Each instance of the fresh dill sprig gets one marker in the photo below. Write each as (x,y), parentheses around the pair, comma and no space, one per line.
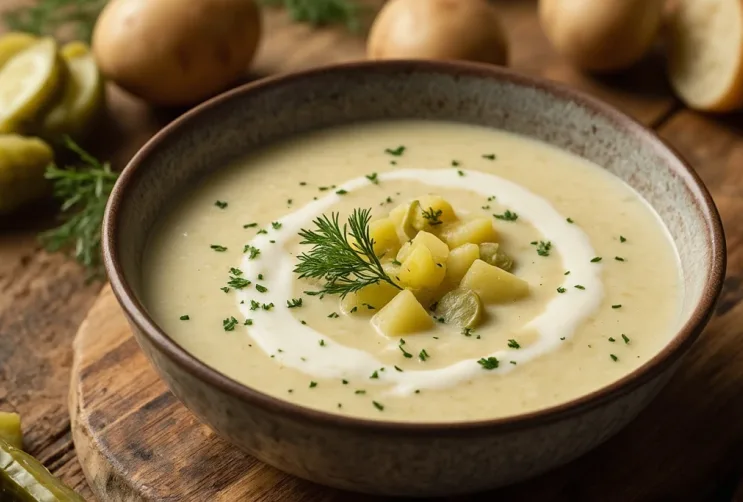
(344,267)
(83,191)
(321,12)
(49,17)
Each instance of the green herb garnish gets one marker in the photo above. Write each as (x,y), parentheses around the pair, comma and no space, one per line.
(250,225)
(220,204)
(619,258)
(373,177)
(625,338)
(313,384)
(489,363)
(489,156)
(341,192)
(375,374)
(569,220)
(596,259)
(543,248)
(251,251)
(423,355)
(507,216)
(229,323)
(260,288)
(184,318)
(276,225)
(238,282)
(378,406)
(561,290)
(613,357)
(294,303)
(397,152)
(513,344)
(579,286)
(344,267)
(433,216)
(218,248)
(618,306)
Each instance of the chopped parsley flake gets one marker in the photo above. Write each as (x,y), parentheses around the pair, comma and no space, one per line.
(333,315)
(354,309)
(225,289)
(596,259)
(433,216)
(455,163)
(567,272)
(460,172)
(467,331)
(489,364)
(485,207)
(294,303)
(619,258)
(423,355)
(513,344)
(322,343)
(513,362)
(302,183)
(569,220)
(405,353)
(378,406)
(613,357)
(184,318)
(396,152)
(235,271)
(368,306)
(395,262)
(489,156)
(250,225)
(617,306)
(266,306)
(248,322)
(344,381)
(622,239)
(373,177)
(260,288)
(543,248)
(229,323)
(260,277)
(625,338)
(251,251)
(262,231)
(374,375)
(341,192)
(238,282)
(561,290)
(313,384)
(254,305)
(491,198)
(578,286)
(276,225)
(360,392)
(323,189)
(611,339)
(220,204)
(218,248)
(398,369)
(507,216)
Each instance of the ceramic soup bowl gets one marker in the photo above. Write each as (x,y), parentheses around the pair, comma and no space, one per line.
(407,458)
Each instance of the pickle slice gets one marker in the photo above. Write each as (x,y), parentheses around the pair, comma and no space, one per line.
(25,479)
(461,307)
(490,252)
(13,43)
(28,82)
(82,99)
(23,162)
(10,429)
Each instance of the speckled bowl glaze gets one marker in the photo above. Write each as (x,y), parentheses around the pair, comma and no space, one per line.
(408,458)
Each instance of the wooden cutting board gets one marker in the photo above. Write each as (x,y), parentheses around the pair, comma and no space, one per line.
(136,442)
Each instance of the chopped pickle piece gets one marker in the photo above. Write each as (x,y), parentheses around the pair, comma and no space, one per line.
(402,316)
(13,43)
(490,252)
(405,249)
(28,82)
(10,429)
(25,479)
(474,231)
(459,262)
(408,222)
(461,307)
(83,96)
(494,285)
(384,234)
(369,299)
(421,270)
(22,165)
(428,213)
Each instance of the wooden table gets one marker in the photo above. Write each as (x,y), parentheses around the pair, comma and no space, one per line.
(697,456)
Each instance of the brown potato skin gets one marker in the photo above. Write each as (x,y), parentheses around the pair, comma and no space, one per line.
(439,29)
(601,35)
(173,52)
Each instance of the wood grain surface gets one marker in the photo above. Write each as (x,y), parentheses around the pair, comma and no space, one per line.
(687,446)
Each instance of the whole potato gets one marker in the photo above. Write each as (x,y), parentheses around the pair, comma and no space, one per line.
(176,52)
(601,35)
(438,29)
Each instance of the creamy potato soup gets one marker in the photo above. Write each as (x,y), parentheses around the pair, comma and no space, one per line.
(415,271)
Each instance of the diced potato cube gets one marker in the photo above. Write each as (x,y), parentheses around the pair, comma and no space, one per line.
(493,284)
(405,249)
(398,214)
(437,209)
(436,246)
(474,231)
(369,299)
(421,270)
(459,262)
(402,316)
(384,234)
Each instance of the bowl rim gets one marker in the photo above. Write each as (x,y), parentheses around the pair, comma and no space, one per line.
(665,358)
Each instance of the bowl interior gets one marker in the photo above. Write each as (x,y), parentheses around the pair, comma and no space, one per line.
(234,124)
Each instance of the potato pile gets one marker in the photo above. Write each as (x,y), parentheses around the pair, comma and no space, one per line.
(45,92)
(442,263)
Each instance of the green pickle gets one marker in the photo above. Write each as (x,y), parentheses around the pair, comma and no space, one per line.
(24,479)
(10,429)
(490,252)
(13,43)
(23,162)
(409,227)
(461,307)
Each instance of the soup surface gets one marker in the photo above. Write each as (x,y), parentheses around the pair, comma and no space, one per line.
(604,286)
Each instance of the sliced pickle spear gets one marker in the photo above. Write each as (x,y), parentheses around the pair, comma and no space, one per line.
(25,479)
(23,162)
(28,82)
(10,429)
(13,43)
(461,307)
(409,221)
(82,98)
(490,252)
